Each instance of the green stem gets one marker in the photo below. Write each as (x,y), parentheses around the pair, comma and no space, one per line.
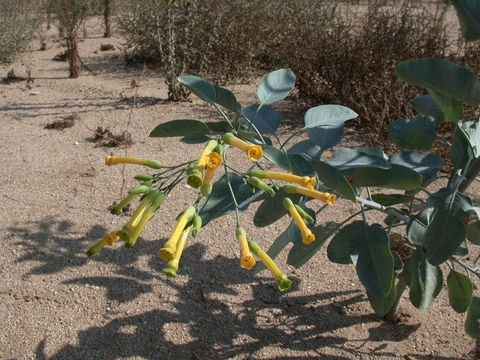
(282,146)
(234,199)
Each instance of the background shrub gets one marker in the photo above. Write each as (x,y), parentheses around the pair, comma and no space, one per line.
(19,21)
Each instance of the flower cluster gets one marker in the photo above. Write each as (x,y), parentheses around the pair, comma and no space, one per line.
(200,174)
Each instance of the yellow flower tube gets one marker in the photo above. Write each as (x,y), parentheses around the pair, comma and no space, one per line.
(127,200)
(166,253)
(327,198)
(172,265)
(247,261)
(283,282)
(213,161)
(211,145)
(306,181)
(114,160)
(254,152)
(307,236)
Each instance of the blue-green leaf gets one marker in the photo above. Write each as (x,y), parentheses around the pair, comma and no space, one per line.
(414,134)
(328,115)
(333,178)
(452,109)
(425,164)
(424,104)
(301,165)
(180,128)
(338,250)
(472,323)
(425,280)
(391,199)
(460,291)
(381,303)
(347,159)
(195,138)
(397,177)
(371,254)
(468,12)
(308,148)
(301,253)
(442,76)
(276,86)
(277,157)
(203,89)
(265,119)
(271,209)
(226,99)
(325,136)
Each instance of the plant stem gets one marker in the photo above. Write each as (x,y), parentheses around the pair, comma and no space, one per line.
(392,314)
(234,199)
(470,175)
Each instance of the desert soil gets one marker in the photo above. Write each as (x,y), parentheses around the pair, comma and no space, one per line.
(58,304)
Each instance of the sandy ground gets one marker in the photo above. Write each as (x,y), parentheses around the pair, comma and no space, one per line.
(58,304)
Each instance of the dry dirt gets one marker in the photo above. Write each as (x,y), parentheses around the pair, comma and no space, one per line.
(58,304)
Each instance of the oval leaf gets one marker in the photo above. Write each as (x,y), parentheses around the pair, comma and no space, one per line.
(265,119)
(180,128)
(397,177)
(271,209)
(227,99)
(306,147)
(277,157)
(203,89)
(276,86)
(460,291)
(333,178)
(414,134)
(424,104)
(468,12)
(325,136)
(442,76)
(338,250)
(425,280)
(351,158)
(328,115)
(472,323)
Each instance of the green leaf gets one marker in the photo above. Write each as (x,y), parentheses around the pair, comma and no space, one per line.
(452,108)
(265,119)
(417,227)
(466,143)
(414,134)
(397,177)
(424,104)
(187,127)
(473,229)
(373,259)
(472,323)
(276,86)
(333,178)
(397,262)
(391,199)
(328,115)
(381,304)
(468,12)
(220,200)
(442,76)
(355,157)
(203,89)
(290,235)
(425,280)
(425,164)
(308,148)
(338,250)
(180,128)
(195,138)
(300,253)
(271,209)
(277,157)
(447,228)
(226,99)
(301,165)
(460,291)
(325,136)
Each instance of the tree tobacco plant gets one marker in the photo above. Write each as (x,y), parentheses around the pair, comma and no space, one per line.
(424,234)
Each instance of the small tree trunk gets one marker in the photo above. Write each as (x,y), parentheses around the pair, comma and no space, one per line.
(49,18)
(61,31)
(73,57)
(107,11)
(84,27)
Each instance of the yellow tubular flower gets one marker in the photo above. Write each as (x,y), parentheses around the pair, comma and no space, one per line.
(283,282)
(114,160)
(247,261)
(254,152)
(111,238)
(127,200)
(166,253)
(211,145)
(172,265)
(307,236)
(96,247)
(147,215)
(213,162)
(306,181)
(327,198)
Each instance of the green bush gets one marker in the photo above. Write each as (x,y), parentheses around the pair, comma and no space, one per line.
(19,20)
